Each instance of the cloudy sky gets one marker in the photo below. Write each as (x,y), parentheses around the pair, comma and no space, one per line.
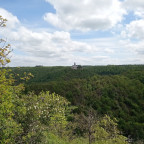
(60,32)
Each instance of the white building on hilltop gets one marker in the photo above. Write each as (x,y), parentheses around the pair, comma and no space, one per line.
(74,66)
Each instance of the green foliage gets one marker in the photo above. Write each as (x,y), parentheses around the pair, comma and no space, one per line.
(106,130)
(53,139)
(103,134)
(2,21)
(120,96)
(58,73)
(97,129)
(9,129)
(4,48)
(40,113)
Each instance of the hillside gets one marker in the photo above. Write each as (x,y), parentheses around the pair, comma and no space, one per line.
(114,90)
(47,74)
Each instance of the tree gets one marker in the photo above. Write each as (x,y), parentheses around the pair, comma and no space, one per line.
(106,131)
(43,113)
(85,124)
(4,49)
(99,130)
(9,129)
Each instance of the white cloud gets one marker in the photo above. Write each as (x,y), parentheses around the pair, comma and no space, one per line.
(134,30)
(139,14)
(85,15)
(137,47)
(44,44)
(137,6)
(134,4)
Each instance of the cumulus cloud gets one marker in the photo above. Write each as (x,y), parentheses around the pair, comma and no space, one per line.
(137,6)
(44,44)
(134,30)
(85,15)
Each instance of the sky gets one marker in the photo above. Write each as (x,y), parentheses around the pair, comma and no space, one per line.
(61,32)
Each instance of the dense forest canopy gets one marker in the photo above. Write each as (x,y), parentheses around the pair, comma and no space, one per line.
(116,90)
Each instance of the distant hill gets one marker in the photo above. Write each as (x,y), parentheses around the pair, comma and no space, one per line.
(47,74)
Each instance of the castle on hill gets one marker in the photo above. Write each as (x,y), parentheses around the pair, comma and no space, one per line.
(75,67)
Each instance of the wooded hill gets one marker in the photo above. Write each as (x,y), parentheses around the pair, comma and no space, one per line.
(117,91)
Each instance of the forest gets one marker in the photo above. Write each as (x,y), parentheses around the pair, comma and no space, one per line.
(59,105)
(114,90)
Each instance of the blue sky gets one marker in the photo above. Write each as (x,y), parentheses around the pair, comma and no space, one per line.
(88,32)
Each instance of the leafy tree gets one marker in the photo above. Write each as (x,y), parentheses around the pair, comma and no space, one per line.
(9,129)
(99,130)
(44,112)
